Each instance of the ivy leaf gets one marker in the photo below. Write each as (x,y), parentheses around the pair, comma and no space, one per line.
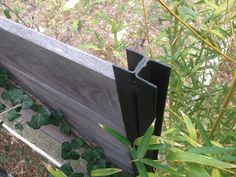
(34,107)
(6,12)
(5,95)
(68,170)
(2,107)
(77,143)
(12,115)
(27,101)
(19,126)
(3,77)
(56,117)
(41,118)
(14,95)
(1,123)
(65,129)
(67,152)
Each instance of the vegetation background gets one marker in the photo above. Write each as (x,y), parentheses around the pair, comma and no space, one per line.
(200,46)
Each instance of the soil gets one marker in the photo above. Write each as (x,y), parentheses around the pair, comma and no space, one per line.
(18,159)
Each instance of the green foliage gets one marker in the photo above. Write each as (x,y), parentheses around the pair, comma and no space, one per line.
(65,128)
(41,118)
(1,123)
(68,170)
(196,158)
(6,12)
(56,172)
(105,172)
(14,95)
(2,107)
(201,159)
(3,77)
(67,152)
(77,143)
(27,102)
(12,115)
(19,126)
(56,117)
(95,159)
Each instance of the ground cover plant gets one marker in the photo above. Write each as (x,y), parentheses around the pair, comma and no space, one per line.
(196,37)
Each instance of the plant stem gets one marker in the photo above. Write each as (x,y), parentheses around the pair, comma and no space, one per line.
(8,110)
(226,103)
(146,27)
(195,33)
(10,9)
(231,23)
(176,32)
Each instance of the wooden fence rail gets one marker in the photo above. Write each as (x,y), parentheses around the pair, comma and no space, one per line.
(79,84)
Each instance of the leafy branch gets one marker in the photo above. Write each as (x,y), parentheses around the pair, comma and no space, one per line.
(226,103)
(190,28)
(11,10)
(147,36)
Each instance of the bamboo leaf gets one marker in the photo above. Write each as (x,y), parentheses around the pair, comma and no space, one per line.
(215,173)
(190,127)
(203,133)
(190,140)
(143,146)
(200,159)
(197,171)
(54,172)
(159,166)
(105,172)
(116,135)
(211,150)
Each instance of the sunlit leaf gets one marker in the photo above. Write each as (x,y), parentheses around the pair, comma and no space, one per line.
(190,127)
(197,171)
(144,144)
(200,159)
(105,172)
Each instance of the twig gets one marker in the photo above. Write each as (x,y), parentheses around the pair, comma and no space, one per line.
(10,9)
(195,33)
(8,110)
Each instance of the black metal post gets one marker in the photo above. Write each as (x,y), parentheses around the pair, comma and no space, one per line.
(142,91)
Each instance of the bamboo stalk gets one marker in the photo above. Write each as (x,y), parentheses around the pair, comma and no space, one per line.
(147,36)
(226,103)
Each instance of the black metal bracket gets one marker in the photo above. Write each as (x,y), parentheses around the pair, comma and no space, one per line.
(142,91)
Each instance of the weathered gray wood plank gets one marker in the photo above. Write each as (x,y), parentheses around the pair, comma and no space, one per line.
(80,85)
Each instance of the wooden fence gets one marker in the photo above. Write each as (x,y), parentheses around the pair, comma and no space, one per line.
(65,78)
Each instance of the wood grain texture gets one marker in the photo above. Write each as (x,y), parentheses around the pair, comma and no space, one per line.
(80,85)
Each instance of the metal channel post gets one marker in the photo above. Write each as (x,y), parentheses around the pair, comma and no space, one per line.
(142,90)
